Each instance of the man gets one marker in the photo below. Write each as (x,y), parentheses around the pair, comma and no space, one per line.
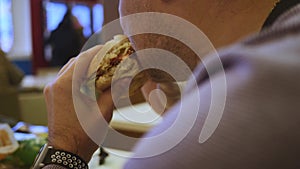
(258,128)
(66,40)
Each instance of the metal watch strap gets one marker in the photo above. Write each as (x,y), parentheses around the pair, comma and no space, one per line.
(64,159)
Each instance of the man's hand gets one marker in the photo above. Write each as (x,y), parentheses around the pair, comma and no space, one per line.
(65,131)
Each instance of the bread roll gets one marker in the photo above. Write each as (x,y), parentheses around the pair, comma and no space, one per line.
(116,55)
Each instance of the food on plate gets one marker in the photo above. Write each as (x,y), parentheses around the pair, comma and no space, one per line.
(8,143)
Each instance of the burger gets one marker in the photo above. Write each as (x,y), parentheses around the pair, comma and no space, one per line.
(115,60)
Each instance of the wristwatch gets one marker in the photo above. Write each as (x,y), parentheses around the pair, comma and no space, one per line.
(49,155)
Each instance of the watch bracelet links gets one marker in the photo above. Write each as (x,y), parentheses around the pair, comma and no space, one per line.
(65,159)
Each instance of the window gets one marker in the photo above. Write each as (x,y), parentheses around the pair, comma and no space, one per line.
(55,13)
(6,26)
(82,13)
(98,17)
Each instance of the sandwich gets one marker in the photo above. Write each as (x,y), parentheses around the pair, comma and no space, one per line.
(112,63)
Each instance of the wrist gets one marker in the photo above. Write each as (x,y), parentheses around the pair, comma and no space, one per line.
(49,155)
(71,145)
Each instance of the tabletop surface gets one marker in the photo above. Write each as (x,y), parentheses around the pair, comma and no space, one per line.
(139,118)
(115,160)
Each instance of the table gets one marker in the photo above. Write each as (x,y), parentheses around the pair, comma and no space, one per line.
(115,160)
(138,118)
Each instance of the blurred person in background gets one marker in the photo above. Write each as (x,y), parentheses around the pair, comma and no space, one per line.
(10,79)
(66,40)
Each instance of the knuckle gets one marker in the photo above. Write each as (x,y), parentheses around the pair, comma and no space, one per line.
(57,85)
(54,87)
(47,90)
